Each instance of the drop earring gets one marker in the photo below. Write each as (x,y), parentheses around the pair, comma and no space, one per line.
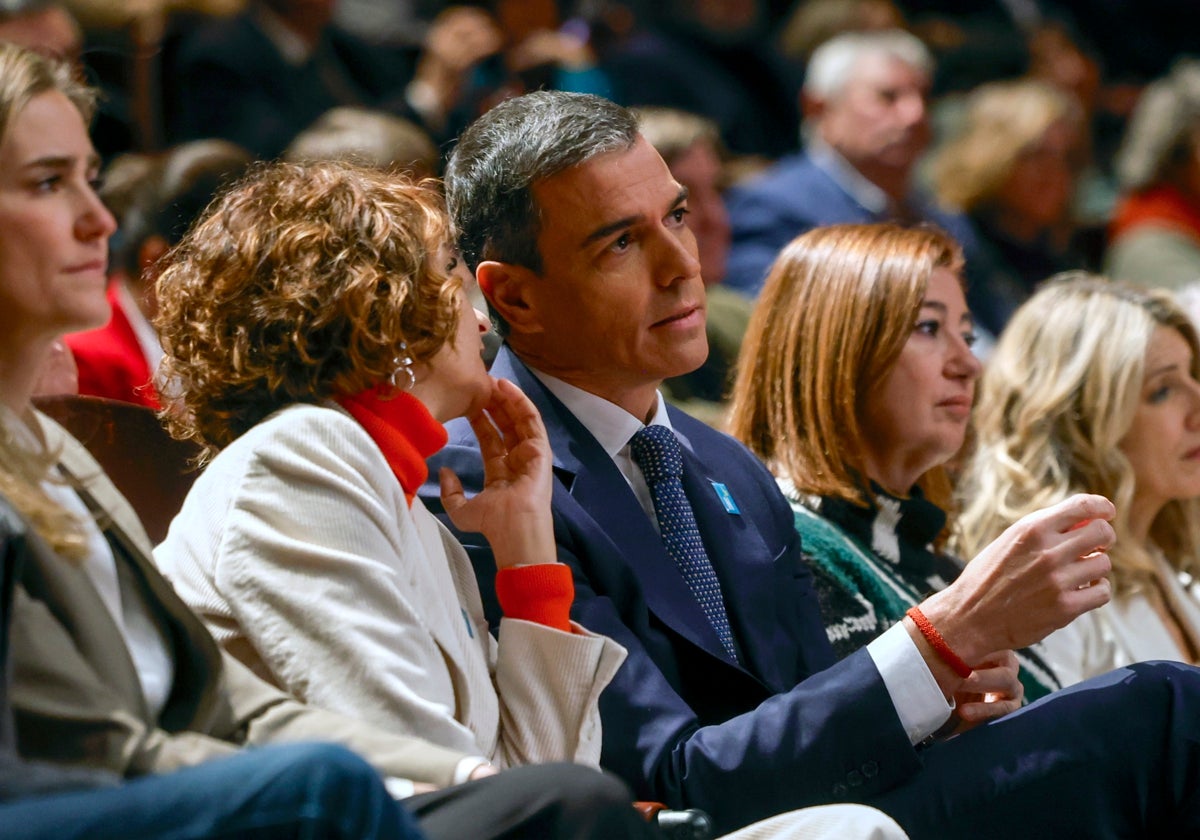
(403,370)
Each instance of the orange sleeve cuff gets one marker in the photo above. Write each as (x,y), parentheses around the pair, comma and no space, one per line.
(541,593)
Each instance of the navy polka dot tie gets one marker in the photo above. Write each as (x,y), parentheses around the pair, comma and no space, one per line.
(656,451)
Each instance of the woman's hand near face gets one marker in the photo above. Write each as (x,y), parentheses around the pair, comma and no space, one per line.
(513,509)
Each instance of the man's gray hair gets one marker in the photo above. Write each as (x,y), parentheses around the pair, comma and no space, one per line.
(834,62)
(490,176)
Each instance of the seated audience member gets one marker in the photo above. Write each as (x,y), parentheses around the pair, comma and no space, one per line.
(1012,169)
(379,141)
(119,359)
(303,522)
(718,60)
(874,315)
(866,125)
(258,78)
(537,50)
(1061,57)
(813,22)
(110,668)
(1154,239)
(369,138)
(454,44)
(50,27)
(275,792)
(690,146)
(1093,388)
(317,332)
(731,698)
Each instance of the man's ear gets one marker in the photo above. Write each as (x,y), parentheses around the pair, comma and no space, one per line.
(812,108)
(508,288)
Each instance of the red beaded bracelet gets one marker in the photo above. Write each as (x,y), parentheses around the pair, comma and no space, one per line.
(938,643)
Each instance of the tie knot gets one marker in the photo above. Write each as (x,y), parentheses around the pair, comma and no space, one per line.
(656,450)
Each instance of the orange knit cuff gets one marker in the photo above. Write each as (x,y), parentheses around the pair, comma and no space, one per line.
(939,645)
(541,593)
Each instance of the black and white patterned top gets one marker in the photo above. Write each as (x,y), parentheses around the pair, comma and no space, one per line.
(872,562)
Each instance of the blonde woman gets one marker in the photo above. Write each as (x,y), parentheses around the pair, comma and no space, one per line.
(1094,388)
(1012,168)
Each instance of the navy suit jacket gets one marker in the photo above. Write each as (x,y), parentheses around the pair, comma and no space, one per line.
(794,196)
(683,723)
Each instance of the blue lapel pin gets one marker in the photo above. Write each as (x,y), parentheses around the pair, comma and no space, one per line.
(726,497)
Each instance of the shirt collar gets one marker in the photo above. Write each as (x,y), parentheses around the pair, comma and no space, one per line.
(846,176)
(611,425)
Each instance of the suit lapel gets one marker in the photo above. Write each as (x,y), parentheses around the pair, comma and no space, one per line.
(64,588)
(193,700)
(595,485)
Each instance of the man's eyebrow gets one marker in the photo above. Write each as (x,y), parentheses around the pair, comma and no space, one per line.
(604,231)
(607,230)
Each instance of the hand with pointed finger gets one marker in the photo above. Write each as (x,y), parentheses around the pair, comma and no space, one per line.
(513,508)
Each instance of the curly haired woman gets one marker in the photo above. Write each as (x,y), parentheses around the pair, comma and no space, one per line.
(317,334)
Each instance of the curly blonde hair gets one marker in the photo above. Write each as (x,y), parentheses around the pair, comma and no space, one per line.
(838,306)
(301,283)
(1058,396)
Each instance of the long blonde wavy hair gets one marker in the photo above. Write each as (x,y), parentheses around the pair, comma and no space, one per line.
(1057,398)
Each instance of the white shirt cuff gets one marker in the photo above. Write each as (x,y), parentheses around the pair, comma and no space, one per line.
(919,702)
(466,766)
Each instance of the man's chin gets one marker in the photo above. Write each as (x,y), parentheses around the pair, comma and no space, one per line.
(689,362)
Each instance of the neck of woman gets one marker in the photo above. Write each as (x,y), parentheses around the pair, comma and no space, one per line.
(20,369)
(1142,513)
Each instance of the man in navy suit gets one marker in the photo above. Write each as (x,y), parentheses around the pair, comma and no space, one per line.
(578,237)
(866,125)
